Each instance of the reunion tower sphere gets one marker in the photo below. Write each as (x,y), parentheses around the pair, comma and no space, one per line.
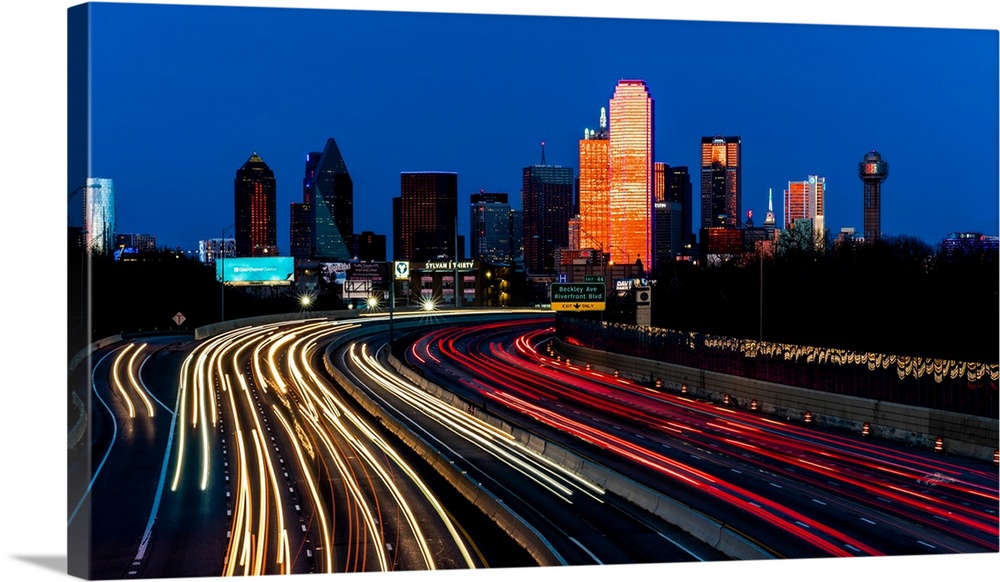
(873,168)
(873,171)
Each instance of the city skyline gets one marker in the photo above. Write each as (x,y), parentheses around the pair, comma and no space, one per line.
(487,127)
(36,121)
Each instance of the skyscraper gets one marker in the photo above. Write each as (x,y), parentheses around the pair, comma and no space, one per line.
(678,189)
(256,219)
(517,235)
(873,171)
(332,206)
(547,202)
(721,203)
(489,223)
(805,199)
(428,212)
(592,207)
(672,206)
(630,175)
(369,246)
(99,216)
(668,240)
(301,217)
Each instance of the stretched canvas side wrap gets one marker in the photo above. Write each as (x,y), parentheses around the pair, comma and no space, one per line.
(358,291)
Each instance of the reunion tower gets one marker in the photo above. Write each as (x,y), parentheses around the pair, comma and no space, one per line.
(873,171)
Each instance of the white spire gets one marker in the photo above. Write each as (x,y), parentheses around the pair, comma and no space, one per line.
(770,207)
(604,118)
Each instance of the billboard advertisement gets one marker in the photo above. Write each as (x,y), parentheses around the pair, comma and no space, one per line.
(334,273)
(256,270)
(373,272)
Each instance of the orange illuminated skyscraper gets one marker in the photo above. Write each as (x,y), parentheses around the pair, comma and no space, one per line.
(630,174)
(720,182)
(805,200)
(594,227)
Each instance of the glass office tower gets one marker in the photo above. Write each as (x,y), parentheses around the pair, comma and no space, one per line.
(332,206)
(99,220)
(630,174)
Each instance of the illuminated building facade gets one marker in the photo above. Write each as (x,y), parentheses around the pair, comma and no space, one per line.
(573,233)
(332,205)
(770,222)
(547,203)
(720,242)
(301,218)
(873,170)
(256,216)
(99,216)
(489,222)
(593,206)
(214,248)
(630,173)
(428,212)
(672,211)
(517,235)
(805,200)
(140,242)
(969,244)
(721,204)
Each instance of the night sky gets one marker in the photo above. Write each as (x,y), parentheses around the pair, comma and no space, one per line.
(183,95)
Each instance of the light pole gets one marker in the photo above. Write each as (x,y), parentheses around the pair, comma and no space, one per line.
(392,303)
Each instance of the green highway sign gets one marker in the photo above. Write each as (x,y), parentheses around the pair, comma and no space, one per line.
(577,296)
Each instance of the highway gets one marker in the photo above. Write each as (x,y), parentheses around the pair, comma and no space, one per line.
(235,456)
(796,490)
(577,518)
(241,454)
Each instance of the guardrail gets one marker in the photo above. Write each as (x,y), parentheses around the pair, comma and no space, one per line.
(961,434)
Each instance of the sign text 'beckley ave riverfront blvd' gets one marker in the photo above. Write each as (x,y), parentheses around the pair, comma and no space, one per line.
(577,296)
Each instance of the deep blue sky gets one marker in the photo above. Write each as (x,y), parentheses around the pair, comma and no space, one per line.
(183,95)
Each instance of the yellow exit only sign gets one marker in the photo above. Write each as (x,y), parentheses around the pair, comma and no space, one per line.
(577,306)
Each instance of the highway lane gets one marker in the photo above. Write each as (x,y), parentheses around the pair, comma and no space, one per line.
(235,455)
(293,442)
(580,520)
(115,485)
(810,485)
